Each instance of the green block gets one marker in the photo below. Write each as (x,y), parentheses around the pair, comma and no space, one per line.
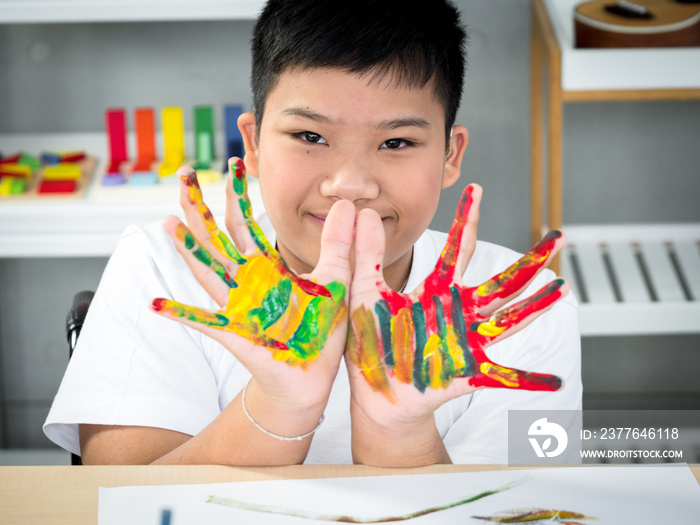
(204,135)
(29,160)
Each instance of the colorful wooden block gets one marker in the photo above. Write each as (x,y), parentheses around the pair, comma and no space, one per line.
(143,178)
(204,136)
(56,157)
(173,140)
(63,171)
(233,137)
(29,160)
(11,159)
(144,119)
(12,186)
(57,186)
(116,137)
(113,179)
(50,157)
(11,169)
(209,176)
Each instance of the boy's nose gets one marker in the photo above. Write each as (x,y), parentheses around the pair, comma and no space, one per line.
(350,181)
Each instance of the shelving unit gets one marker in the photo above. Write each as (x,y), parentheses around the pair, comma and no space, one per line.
(86,227)
(89,227)
(640,279)
(81,11)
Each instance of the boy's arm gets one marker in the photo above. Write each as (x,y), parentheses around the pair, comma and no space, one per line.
(231,439)
(410,353)
(288,331)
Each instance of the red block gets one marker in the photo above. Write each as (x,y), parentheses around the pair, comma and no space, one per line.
(57,186)
(116,136)
(11,160)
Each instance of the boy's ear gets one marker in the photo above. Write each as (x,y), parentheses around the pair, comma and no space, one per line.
(453,161)
(248,128)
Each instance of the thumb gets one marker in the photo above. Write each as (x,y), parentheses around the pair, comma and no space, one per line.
(336,241)
(369,253)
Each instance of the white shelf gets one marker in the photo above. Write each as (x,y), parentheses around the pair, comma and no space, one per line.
(615,69)
(91,226)
(83,11)
(635,279)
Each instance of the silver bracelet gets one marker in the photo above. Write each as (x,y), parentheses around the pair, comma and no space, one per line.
(281,438)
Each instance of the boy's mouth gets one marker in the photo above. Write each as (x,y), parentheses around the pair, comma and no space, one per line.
(321,220)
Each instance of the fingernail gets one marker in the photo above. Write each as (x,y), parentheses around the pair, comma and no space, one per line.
(158,304)
(239,181)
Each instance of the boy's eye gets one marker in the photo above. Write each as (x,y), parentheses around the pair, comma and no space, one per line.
(310,136)
(396,143)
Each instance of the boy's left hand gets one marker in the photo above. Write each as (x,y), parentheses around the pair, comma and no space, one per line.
(408,354)
(288,330)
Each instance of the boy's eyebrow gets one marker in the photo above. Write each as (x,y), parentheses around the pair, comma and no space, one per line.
(417,122)
(385,124)
(307,113)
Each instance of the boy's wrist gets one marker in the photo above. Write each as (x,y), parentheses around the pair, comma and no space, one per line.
(278,417)
(406,444)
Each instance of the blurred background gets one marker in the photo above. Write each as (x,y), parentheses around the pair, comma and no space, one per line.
(624,162)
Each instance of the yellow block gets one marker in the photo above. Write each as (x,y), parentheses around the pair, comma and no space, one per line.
(11,186)
(21,170)
(173,124)
(209,176)
(63,171)
(5,185)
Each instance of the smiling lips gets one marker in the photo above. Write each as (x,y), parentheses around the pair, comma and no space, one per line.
(321,219)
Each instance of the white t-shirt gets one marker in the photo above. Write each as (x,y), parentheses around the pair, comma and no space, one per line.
(134,367)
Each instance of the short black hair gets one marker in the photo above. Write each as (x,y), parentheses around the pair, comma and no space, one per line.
(412,40)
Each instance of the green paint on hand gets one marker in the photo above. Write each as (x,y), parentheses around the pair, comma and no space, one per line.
(274,304)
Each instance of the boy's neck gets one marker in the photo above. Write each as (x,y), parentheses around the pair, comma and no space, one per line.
(397,274)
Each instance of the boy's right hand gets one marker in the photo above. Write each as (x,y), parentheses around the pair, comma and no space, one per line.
(408,354)
(289,331)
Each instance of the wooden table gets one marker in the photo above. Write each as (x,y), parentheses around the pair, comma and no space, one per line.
(58,495)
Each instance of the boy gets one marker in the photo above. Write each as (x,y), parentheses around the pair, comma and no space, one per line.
(352,139)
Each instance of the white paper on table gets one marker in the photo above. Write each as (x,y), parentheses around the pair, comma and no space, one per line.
(613,495)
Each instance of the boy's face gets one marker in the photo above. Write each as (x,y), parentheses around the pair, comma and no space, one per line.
(326,135)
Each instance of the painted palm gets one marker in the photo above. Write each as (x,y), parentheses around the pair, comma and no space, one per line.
(439,332)
(267,303)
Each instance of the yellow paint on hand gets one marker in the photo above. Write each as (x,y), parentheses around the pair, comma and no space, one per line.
(490,328)
(506,376)
(364,352)
(402,341)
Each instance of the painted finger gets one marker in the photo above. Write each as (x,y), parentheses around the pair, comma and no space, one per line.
(461,239)
(336,241)
(247,233)
(213,324)
(507,321)
(200,219)
(193,314)
(369,254)
(497,376)
(209,272)
(364,350)
(502,287)
(369,337)
(239,213)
